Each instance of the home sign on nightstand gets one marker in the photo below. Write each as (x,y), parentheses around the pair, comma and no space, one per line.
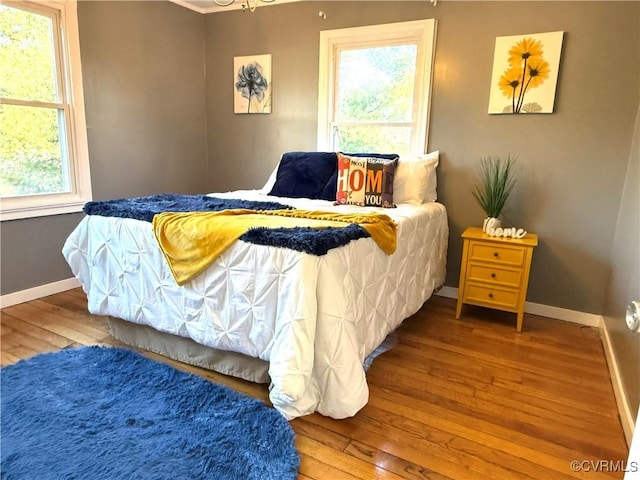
(495,271)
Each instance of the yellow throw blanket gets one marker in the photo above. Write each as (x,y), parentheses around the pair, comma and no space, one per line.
(192,241)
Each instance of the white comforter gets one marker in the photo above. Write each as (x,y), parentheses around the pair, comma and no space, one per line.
(313,318)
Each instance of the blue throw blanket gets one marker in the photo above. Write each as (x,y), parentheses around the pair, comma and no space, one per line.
(144,208)
(302,239)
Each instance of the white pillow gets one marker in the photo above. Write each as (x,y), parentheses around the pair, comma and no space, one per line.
(271,180)
(415,179)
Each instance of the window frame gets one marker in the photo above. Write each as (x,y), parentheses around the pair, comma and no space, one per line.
(420,32)
(71,102)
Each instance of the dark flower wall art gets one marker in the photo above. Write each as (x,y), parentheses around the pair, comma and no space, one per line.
(252,82)
(525,73)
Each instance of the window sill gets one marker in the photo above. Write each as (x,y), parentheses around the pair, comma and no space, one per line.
(17,213)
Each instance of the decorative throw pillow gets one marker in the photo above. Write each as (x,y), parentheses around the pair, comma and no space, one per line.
(415,180)
(365,180)
(305,175)
(330,190)
(271,181)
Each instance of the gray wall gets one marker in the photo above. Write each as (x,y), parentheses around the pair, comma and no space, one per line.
(143,73)
(143,77)
(572,163)
(624,282)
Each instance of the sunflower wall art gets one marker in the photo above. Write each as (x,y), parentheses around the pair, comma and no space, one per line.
(525,73)
(252,84)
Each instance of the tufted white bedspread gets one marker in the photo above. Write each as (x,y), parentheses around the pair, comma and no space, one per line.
(314,319)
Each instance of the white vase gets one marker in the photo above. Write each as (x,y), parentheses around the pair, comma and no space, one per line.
(489,223)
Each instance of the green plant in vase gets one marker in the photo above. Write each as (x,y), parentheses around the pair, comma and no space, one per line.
(493,183)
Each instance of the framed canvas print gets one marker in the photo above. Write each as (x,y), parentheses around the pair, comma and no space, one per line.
(525,73)
(252,84)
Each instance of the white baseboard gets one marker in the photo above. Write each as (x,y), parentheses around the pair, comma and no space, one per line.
(447,292)
(38,292)
(624,409)
(542,310)
(591,320)
(573,316)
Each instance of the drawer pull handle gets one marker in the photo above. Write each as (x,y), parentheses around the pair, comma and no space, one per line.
(493,275)
(495,254)
(491,295)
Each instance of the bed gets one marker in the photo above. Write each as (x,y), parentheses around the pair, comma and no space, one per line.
(305,323)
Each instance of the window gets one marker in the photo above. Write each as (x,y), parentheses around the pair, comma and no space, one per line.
(374,88)
(44,164)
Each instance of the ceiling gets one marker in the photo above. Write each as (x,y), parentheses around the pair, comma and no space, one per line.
(209,6)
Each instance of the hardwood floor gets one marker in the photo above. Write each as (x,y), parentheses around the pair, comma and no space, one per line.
(454,399)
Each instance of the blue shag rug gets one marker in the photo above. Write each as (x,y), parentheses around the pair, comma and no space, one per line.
(110,413)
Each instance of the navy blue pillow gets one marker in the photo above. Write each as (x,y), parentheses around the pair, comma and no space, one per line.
(307,175)
(331,189)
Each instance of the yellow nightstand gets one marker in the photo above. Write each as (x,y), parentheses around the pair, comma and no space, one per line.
(495,271)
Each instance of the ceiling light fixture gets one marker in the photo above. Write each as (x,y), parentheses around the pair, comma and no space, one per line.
(251,5)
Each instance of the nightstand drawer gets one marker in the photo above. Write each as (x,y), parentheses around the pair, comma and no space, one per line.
(496,253)
(486,295)
(495,275)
